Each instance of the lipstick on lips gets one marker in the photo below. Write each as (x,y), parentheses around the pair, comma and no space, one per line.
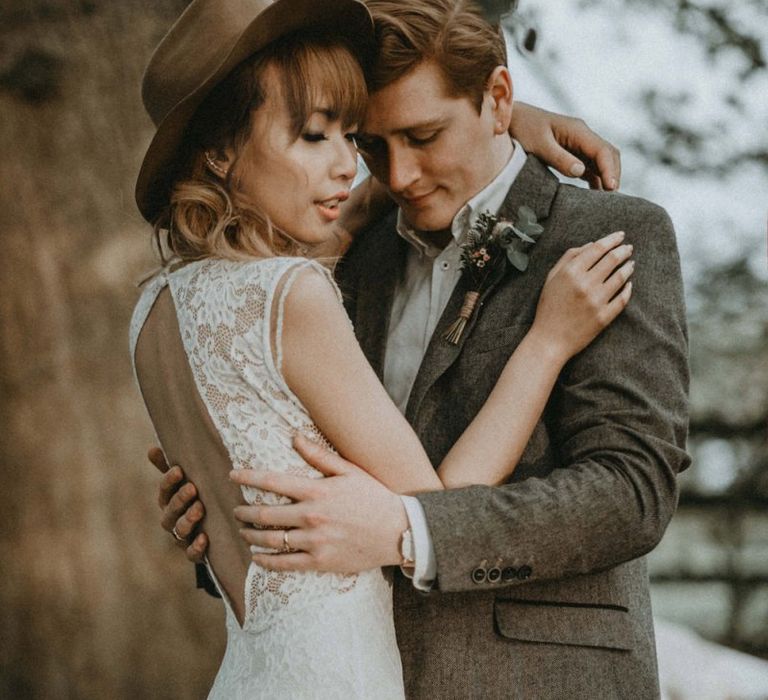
(330,208)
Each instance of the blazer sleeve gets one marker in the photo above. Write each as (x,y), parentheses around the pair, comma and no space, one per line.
(618,422)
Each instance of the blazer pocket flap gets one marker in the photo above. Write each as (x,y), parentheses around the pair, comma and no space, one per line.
(557,623)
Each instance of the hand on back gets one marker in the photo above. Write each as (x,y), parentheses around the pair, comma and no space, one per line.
(182,510)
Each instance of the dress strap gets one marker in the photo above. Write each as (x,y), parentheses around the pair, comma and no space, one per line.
(149,294)
(275,315)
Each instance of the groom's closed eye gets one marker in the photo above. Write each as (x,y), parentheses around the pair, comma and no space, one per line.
(422,138)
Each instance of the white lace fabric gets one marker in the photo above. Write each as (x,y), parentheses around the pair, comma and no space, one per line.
(304,634)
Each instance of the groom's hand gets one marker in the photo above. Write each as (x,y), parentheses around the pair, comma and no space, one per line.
(182,511)
(344,523)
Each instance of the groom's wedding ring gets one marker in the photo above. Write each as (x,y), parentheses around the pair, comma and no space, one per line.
(178,537)
(286,545)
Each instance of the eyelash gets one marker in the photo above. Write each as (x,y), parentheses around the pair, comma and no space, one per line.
(316,138)
(425,141)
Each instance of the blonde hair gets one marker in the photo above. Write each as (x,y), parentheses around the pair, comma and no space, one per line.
(453,33)
(209,217)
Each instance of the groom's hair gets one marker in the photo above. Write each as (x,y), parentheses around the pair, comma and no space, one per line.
(452,33)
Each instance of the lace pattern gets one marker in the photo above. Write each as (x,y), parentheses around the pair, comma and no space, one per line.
(224,310)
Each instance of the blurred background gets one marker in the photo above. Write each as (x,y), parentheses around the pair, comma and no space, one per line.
(95,601)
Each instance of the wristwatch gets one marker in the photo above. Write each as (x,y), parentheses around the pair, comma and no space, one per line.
(407,550)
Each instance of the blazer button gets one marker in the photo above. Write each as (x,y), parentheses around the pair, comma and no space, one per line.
(509,573)
(524,572)
(479,575)
(494,575)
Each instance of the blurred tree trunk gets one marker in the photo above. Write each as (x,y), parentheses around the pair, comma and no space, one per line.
(95,601)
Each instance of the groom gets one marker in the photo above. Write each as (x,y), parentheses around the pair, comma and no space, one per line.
(536,588)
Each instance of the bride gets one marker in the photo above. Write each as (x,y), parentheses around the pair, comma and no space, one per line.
(256,105)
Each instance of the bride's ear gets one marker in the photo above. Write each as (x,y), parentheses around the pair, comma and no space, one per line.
(218,163)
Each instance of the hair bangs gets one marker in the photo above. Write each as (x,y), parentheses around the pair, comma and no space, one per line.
(321,76)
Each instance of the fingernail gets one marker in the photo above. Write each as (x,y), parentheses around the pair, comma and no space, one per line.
(619,235)
(612,183)
(577,169)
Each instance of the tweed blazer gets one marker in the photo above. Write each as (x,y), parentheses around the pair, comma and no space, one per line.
(542,589)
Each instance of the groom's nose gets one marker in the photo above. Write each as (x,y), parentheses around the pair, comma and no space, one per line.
(403,168)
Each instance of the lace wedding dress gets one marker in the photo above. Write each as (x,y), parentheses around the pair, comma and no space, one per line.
(305,635)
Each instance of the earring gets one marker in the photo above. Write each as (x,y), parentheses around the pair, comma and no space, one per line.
(213,165)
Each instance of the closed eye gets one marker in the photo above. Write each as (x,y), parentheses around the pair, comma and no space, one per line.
(313,137)
(423,139)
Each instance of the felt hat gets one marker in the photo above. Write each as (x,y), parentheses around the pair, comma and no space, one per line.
(208,41)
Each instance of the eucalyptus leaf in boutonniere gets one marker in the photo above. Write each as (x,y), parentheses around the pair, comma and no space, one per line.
(489,243)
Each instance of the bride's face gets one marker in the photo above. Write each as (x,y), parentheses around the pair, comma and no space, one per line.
(299,183)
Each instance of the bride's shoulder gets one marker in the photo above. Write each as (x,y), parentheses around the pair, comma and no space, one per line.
(312,297)
(271,277)
(244,270)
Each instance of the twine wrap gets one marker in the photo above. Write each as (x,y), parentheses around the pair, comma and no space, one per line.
(456,329)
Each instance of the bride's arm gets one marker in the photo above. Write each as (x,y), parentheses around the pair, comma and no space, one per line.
(326,369)
(568,145)
(583,293)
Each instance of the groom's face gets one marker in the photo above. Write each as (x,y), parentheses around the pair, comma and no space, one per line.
(433,151)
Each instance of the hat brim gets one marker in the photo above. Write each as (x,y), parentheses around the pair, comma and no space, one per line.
(349,20)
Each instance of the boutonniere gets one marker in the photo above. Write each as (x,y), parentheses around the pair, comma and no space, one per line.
(490,242)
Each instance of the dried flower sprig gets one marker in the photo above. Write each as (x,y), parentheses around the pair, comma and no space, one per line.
(488,244)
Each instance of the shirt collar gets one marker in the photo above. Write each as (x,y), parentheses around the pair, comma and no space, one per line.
(490,198)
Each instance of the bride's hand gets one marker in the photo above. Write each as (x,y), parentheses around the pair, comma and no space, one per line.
(568,145)
(584,292)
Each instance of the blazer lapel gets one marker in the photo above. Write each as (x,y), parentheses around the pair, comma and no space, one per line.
(535,187)
(375,296)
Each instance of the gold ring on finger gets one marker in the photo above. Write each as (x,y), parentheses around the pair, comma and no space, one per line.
(286,544)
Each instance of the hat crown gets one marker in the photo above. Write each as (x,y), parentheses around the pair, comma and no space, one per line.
(193,49)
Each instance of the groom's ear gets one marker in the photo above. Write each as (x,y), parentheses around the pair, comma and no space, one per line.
(499,98)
